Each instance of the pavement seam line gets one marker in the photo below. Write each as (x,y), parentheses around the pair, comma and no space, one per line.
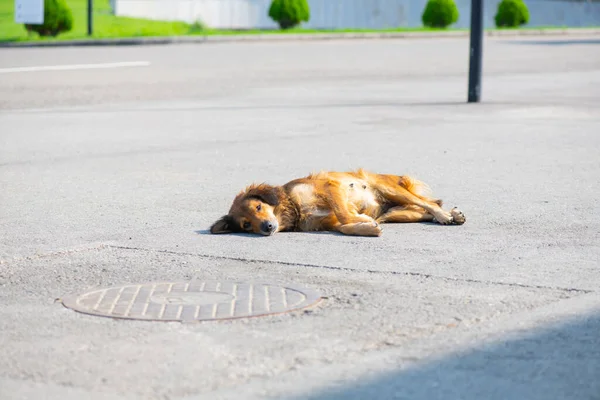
(370,271)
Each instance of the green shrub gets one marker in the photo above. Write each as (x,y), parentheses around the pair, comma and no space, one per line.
(440,13)
(57,19)
(511,13)
(198,26)
(289,13)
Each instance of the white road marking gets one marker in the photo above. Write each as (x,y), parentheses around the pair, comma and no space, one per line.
(75,67)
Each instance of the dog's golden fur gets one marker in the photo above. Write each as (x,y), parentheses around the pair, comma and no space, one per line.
(353,203)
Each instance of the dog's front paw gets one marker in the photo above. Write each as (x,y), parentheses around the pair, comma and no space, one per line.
(364,229)
(370,228)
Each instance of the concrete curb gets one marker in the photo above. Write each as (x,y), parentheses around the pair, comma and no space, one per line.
(299,36)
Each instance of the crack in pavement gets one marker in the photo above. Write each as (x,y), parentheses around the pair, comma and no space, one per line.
(293,264)
(370,271)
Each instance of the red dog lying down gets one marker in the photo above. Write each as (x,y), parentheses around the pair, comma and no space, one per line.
(353,203)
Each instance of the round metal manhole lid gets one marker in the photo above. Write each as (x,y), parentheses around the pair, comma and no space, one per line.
(191,301)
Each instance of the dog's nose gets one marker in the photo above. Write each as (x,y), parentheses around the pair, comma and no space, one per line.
(266,226)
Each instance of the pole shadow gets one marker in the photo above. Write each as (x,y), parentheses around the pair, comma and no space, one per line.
(561,362)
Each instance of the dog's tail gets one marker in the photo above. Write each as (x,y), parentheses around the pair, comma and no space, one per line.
(419,188)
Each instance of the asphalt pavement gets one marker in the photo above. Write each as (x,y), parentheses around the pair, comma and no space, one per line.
(114,161)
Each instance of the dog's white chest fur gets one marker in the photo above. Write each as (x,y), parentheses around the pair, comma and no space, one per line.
(304,195)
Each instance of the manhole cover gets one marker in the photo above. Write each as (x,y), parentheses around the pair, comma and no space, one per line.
(191,301)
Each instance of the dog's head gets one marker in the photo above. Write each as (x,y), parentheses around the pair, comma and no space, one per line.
(252,211)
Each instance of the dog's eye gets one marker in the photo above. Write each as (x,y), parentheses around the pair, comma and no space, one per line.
(258,207)
(247,225)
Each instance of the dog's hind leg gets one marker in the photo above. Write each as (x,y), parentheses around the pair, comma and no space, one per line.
(397,190)
(405,215)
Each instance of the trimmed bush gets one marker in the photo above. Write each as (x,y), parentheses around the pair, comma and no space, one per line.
(57,19)
(440,13)
(511,13)
(289,13)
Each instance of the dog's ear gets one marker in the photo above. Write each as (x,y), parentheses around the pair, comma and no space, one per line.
(265,193)
(224,225)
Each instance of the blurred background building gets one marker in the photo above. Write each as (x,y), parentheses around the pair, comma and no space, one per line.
(348,14)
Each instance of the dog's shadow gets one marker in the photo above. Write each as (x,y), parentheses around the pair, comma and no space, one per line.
(257,236)
(245,235)
(321,233)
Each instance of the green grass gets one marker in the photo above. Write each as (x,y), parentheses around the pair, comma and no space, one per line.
(109,26)
(105,25)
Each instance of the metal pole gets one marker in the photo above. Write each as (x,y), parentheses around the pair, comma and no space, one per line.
(90,13)
(476,51)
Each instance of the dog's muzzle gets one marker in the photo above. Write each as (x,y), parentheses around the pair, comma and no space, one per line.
(268,227)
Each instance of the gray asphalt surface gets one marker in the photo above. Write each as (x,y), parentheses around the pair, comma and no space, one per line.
(111,176)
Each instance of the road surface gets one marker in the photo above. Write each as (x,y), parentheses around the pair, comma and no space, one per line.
(114,161)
